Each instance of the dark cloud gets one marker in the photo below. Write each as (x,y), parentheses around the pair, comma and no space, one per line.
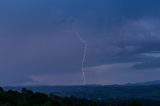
(38,37)
(147,65)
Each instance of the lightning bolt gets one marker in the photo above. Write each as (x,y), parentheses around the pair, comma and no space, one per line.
(84,42)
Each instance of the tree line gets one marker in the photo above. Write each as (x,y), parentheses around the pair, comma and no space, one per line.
(27,97)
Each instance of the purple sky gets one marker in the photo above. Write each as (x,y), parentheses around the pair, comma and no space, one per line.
(39,46)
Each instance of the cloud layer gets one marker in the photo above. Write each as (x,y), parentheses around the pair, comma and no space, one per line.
(38,40)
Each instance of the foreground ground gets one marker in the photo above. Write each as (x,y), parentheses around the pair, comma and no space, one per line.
(29,98)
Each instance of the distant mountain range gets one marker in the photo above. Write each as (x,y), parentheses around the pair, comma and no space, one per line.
(144,90)
(156,82)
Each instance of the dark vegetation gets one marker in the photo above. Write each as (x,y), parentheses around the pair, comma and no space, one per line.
(27,97)
(94,92)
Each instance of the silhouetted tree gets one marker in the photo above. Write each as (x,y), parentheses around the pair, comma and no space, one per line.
(28,98)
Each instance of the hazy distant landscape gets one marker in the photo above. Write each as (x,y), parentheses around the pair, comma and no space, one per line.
(145,90)
(138,94)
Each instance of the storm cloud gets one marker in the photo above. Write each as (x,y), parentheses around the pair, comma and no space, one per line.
(38,40)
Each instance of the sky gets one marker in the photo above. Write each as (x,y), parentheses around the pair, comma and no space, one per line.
(39,46)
